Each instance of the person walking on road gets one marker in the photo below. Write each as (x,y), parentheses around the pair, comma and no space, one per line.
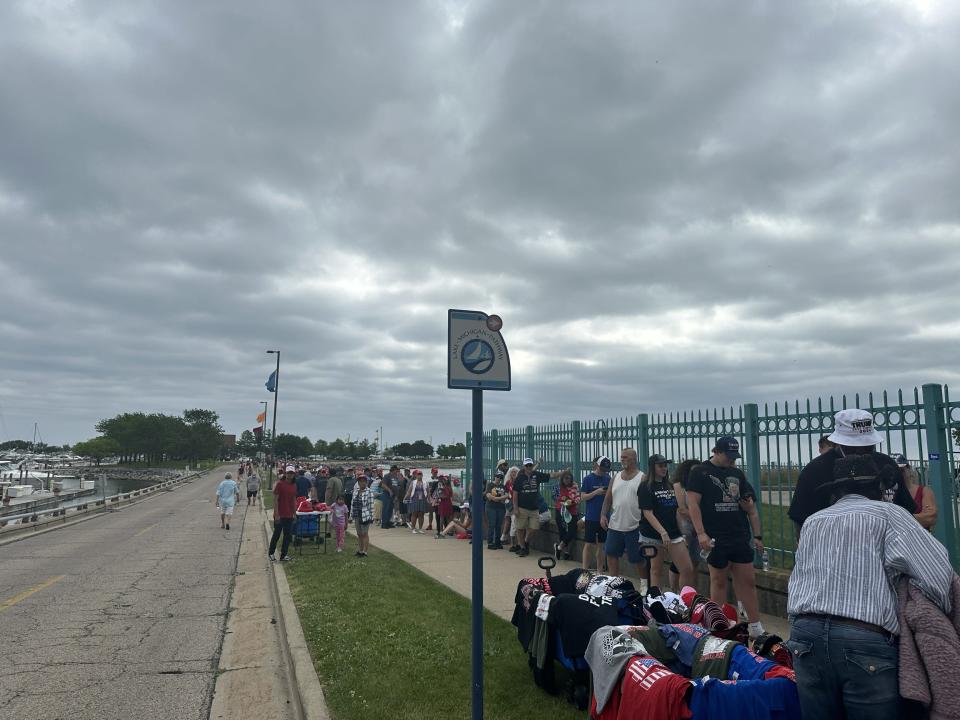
(228,495)
(253,487)
(284,511)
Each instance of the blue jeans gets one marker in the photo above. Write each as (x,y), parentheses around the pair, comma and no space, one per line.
(496,512)
(844,670)
(386,511)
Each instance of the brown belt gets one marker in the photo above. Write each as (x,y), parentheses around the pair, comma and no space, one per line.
(850,621)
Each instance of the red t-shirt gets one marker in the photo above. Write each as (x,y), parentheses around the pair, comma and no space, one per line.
(285,499)
(648,691)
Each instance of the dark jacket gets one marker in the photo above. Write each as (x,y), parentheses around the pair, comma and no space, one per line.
(808,498)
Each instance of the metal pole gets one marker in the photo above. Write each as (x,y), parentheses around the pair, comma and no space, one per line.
(273,432)
(477,595)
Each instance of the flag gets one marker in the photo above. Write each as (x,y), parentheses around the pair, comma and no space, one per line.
(262,418)
(258,433)
(272,382)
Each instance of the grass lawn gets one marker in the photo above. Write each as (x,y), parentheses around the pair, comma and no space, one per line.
(778,533)
(390,642)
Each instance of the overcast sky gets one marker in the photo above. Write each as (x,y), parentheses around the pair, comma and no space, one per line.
(671,205)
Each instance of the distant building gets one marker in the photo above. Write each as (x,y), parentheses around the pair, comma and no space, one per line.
(229,441)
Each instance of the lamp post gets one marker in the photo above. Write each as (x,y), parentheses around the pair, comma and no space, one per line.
(273,432)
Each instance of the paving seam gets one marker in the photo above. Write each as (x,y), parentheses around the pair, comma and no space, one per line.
(309,693)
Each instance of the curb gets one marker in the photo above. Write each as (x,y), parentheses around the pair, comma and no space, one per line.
(313,704)
(28,531)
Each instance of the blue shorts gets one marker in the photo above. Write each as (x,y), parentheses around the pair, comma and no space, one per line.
(620,540)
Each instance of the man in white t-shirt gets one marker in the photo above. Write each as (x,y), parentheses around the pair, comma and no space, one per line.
(621,514)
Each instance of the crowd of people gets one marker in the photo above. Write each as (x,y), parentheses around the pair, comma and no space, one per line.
(862,518)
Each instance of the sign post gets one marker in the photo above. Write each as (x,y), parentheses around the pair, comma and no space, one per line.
(477,360)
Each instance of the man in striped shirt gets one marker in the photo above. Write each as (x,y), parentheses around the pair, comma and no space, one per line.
(842,601)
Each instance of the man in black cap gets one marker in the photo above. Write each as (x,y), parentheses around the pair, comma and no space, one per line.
(592,491)
(389,487)
(842,598)
(722,509)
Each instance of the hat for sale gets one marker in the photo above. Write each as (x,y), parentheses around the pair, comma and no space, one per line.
(604,462)
(729,446)
(855,428)
(900,460)
(528,461)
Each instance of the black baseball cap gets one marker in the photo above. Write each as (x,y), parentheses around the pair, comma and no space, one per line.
(604,462)
(729,446)
(656,459)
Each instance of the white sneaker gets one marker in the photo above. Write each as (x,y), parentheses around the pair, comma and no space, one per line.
(339,549)
(414,532)
(272,558)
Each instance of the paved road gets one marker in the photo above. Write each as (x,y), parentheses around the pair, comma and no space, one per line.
(122,616)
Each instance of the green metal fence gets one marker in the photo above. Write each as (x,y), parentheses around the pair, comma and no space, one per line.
(777,440)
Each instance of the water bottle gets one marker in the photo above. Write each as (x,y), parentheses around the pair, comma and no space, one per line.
(765,559)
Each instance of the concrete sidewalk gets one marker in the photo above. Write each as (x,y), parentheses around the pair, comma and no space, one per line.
(448,561)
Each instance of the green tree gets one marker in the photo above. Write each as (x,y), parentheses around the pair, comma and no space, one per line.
(15,445)
(203,437)
(293,446)
(456,450)
(421,449)
(247,444)
(97,448)
(321,447)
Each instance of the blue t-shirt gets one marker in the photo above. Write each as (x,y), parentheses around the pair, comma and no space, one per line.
(595,504)
(227,492)
(682,638)
(303,486)
(744,665)
(775,699)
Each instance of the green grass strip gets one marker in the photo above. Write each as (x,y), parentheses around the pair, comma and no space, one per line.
(390,642)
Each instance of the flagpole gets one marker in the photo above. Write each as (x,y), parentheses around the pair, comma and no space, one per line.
(263,423)
(273,433)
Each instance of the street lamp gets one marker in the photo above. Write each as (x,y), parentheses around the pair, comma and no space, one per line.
(273,432)
(263,423)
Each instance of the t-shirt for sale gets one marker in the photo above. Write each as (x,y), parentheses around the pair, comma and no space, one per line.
(595,504)
(683,639)
(527,488)
(625,513)
(775,699)
(578,617)
(649,691)
(721,489)
(712,657)
(658,496)
(745,665)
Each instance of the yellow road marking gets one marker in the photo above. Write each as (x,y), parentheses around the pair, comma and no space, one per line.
(149,527)
(27,593)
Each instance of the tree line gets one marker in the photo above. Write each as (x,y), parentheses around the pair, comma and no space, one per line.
(295,446)
(153,438)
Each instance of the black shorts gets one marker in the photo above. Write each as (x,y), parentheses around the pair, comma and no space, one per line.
(251,493)
(593,533)
(730,551)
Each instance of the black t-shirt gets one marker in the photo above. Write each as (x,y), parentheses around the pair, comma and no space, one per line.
(578,617)
(527,488)
(721,489)
(808,498)
(658,496)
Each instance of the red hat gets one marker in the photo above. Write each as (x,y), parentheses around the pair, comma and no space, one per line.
(434,469)
(418,472)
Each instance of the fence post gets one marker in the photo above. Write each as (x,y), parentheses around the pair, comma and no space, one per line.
(469,472)
(494,446)
(643,440)
(577,468)
(938,470)
(751,445)
(531,453)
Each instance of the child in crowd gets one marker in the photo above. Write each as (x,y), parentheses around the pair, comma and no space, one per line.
(339,516)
